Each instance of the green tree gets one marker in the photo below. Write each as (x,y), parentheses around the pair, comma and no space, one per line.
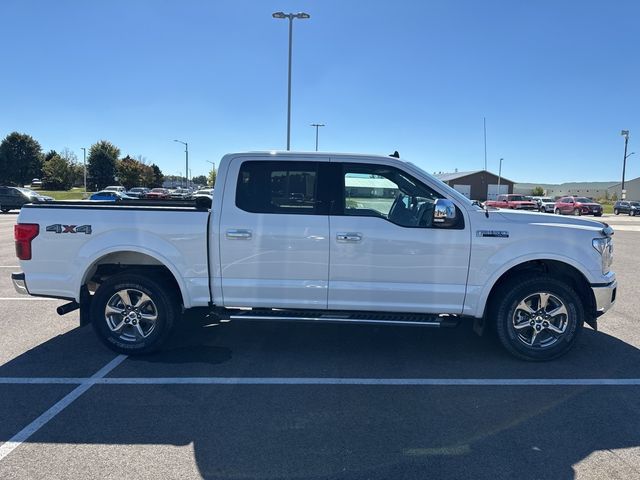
(129,172)
(49,155)
(537,192)
(101,164)
(20,159)
(57,173)
(158,177)
(147,176)
(213,174)
(199,180)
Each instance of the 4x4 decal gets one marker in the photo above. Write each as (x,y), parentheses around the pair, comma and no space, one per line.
(59,228)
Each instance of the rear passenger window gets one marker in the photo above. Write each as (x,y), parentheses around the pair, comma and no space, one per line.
(278,187)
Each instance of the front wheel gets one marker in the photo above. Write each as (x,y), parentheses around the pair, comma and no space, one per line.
(539,319)
(5,210)
(557,211)
(576,212)
(616,211)
(134,314)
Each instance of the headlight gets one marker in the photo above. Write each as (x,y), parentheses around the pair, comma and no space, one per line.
(605,247)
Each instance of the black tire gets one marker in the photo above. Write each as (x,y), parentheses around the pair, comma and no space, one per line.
(597,214)
(557,211)
(163,303)
(577,212)
(5,210)
(616,211)
(542,210)
(505,312)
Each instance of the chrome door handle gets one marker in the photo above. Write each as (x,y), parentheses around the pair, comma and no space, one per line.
(238,234)
(348,237)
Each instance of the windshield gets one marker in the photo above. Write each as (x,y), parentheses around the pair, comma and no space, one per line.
(28,192)
(584,200)
(518,198)
(635,204)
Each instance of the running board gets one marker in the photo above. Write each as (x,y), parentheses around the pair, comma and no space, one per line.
(373,318)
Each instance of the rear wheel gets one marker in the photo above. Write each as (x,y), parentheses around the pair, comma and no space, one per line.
(576,211)
(5,210)
(539,319)
(557,211)
(616,211)
(134,314)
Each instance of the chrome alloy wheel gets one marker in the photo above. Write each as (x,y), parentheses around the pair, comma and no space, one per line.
(540,320)
(131,314)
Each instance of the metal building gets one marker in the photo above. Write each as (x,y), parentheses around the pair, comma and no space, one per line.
(477,185)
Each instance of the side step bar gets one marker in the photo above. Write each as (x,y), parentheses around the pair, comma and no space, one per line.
(372,318)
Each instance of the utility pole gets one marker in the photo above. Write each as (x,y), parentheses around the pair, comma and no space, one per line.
(625,134)
(84,161)
(317,125)
(484,120)
(290,17)
(499,175)
(186,159)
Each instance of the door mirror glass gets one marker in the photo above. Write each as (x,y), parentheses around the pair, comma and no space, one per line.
(444,213)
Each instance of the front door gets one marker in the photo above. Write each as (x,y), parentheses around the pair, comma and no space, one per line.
(274,235)
(385,253)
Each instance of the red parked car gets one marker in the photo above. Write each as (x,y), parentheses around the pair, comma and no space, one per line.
(158,194)
(578,206)
(514,201)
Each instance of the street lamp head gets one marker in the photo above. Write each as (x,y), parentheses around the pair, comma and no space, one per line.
(278,15)
(624,133)
(302,15)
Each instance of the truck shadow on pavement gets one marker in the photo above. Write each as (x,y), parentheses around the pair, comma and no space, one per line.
(347,431)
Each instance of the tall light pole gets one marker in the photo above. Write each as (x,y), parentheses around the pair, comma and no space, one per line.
(499,175)
(317,125)
(186,159)
(84,161)
(625,134)
(484,122)
(290,17)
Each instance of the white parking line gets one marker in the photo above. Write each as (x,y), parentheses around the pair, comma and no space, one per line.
(24,434)
(101,380)
(9,266)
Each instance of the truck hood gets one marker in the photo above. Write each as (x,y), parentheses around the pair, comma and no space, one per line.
(544,219)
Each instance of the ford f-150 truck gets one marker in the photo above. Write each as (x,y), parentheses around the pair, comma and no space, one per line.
(321,238)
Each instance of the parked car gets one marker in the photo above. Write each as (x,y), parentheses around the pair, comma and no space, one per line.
(180,194)
(158,194)
(513,201)
(110,195)
(115,188)
(625,206)
(426,256)
(36,182)
(138,192)
(205,192)
(545,204)
(13,198)
(577,206)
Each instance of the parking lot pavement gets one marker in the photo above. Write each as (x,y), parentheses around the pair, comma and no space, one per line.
(267,423)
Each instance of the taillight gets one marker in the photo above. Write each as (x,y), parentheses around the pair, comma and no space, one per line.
(23,234)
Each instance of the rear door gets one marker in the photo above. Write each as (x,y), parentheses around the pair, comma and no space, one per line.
(274,234)
(385,253)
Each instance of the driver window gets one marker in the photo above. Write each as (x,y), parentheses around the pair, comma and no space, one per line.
(386,192)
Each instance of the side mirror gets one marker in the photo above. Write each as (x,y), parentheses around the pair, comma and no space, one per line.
(444,213)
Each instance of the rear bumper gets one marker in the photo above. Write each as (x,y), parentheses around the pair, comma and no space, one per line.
(605,296)
(19,283)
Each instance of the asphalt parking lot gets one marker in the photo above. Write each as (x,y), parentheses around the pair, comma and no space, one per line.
(283,401)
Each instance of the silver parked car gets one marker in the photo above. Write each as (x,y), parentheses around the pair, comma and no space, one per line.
(545,204)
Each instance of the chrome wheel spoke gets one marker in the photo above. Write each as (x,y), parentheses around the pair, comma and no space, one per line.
(524,307)
(139,332)
(561,310)
(117,328)
(533,337)
(521,325)
(544,301)
(555,329)
(124,296)
(143,300)
(149,317)
(111,310)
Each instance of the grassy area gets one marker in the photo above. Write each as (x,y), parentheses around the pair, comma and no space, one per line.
(73,194)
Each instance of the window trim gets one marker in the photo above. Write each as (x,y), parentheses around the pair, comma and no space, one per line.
(341,202)
(318,207)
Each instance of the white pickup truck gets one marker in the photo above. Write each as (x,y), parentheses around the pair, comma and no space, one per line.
(324,238)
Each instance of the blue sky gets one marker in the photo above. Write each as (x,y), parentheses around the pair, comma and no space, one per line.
(556,80)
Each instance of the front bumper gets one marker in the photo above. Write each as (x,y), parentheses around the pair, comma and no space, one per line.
(19,283)
(605,296)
